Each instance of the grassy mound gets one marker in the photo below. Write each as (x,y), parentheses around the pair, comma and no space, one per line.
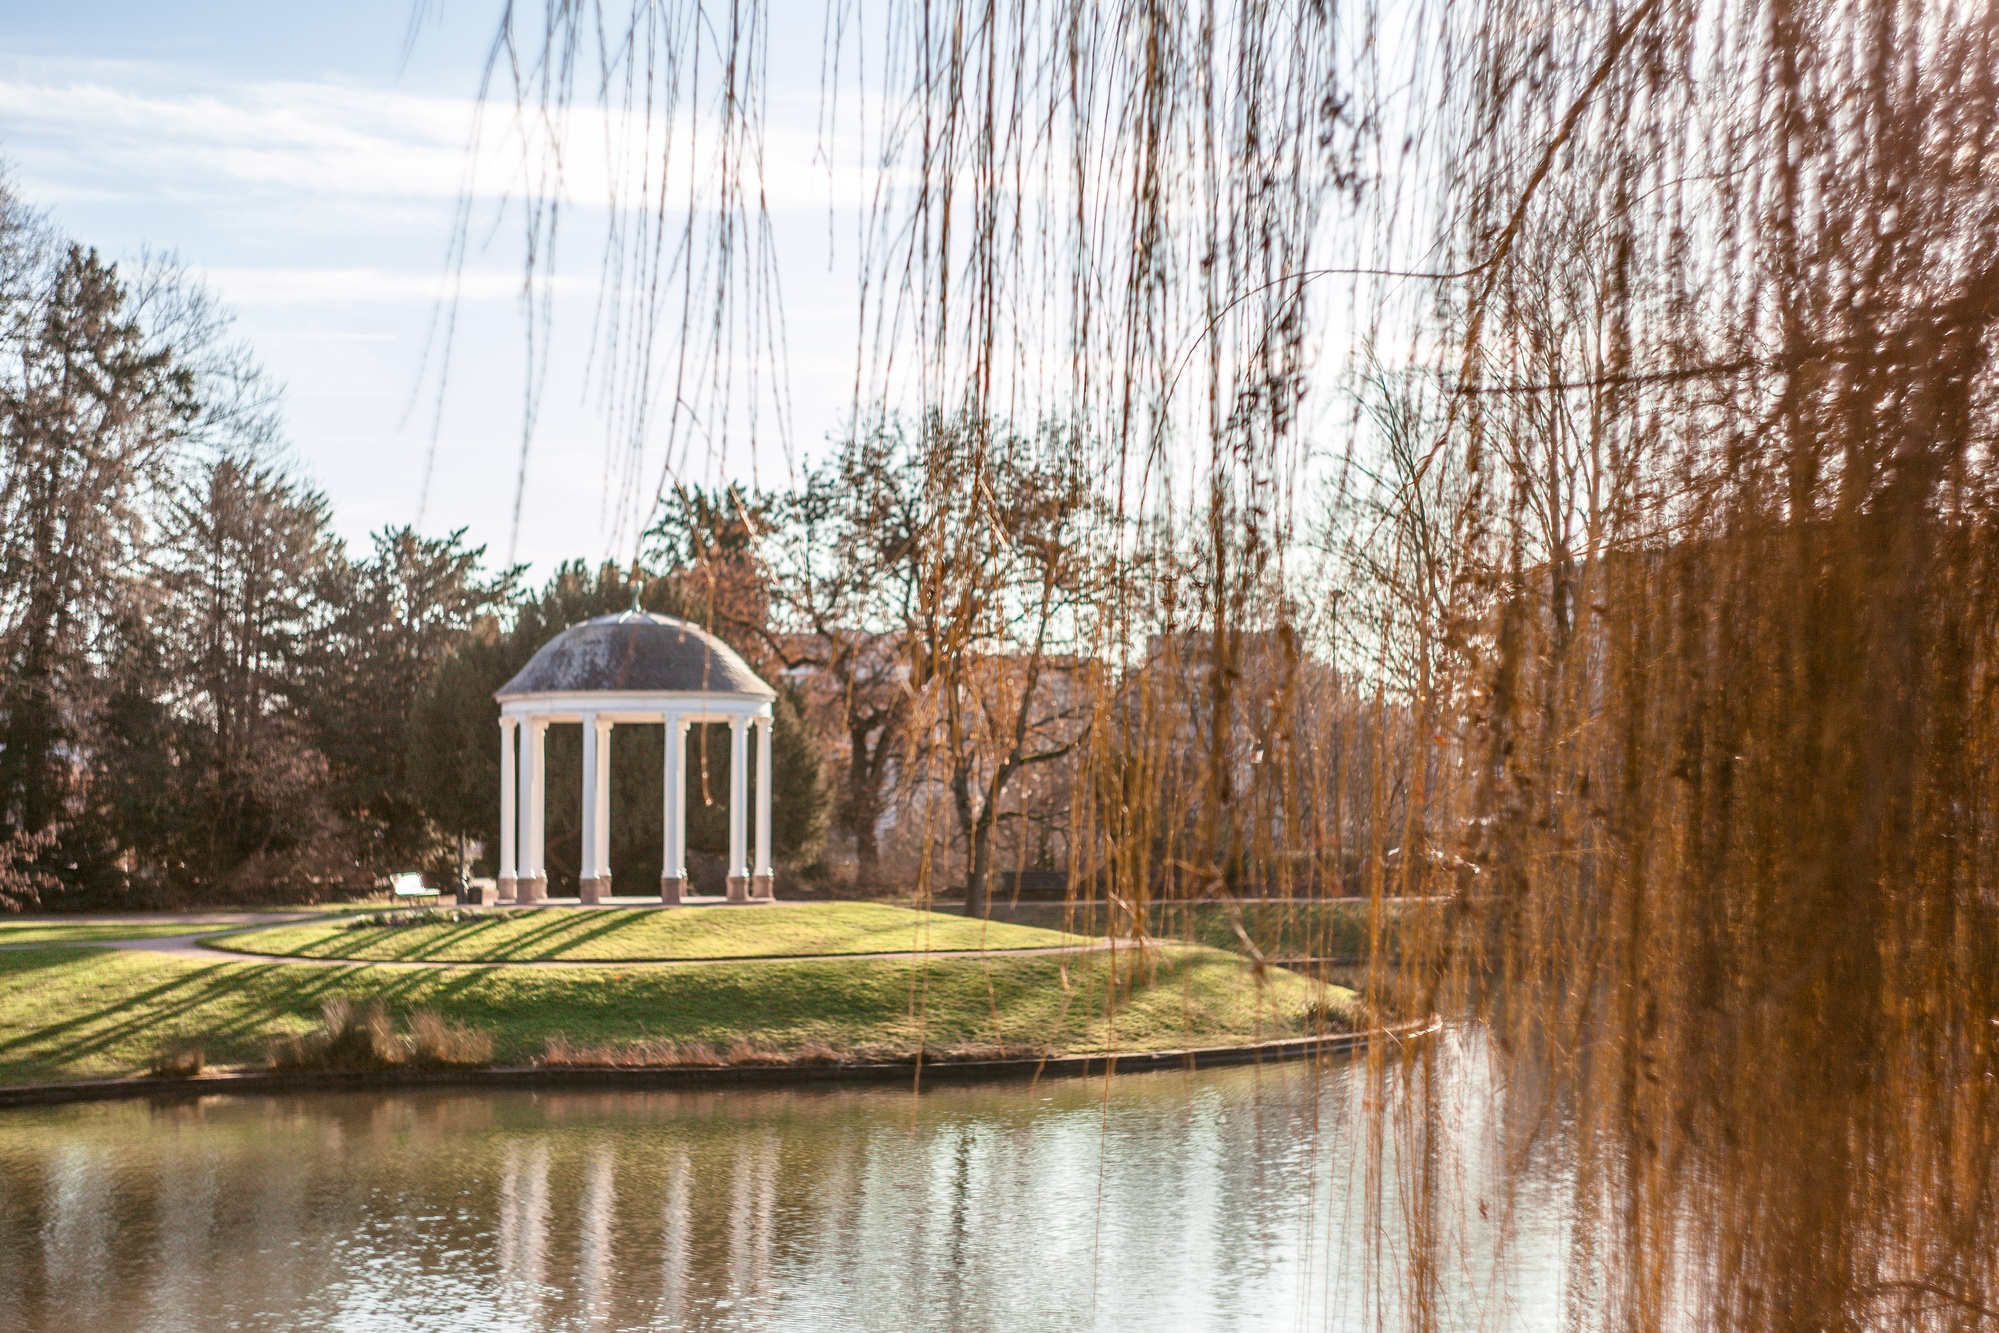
(642,935)
(1278,930)
(85,930)
(69,1012)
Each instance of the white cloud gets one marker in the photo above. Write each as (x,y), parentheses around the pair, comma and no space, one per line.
(324,211)
(345,286)
(101,131)
(104,130)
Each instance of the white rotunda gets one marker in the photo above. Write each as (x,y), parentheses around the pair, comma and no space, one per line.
(632,667)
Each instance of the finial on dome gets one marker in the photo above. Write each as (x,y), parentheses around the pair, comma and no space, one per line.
(637,588)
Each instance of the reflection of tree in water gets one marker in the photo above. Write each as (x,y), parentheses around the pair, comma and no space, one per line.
(1003,1207)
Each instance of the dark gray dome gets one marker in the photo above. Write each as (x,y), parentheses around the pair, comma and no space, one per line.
(639,651)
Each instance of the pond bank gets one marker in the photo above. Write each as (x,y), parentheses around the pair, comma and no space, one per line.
(71,1012)
(571,1077)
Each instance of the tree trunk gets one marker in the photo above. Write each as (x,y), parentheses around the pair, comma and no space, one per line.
(863,802)
(867,852)
(979,842)
(961,803)
(978,879)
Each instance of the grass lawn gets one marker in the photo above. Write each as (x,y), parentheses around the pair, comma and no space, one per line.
(80,1012)
(1279,930)
(83,930)
(640,935)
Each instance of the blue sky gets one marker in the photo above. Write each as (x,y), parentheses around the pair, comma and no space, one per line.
(306,160)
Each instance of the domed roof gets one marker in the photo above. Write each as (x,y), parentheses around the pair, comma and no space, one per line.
(636,651)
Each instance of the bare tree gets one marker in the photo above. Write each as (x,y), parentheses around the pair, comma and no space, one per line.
(842,567)
(1008,581)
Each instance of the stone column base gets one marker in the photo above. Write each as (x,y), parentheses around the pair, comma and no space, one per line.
(739,888)
(670,889)
(590,891)
(532,890)
(761,890)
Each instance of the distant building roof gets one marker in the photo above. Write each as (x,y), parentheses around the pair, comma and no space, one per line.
(639,652)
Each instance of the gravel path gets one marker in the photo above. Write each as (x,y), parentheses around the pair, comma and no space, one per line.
(218,918)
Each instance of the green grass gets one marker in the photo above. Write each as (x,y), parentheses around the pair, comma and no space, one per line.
(1279,930)
(86,931)
(637,935)
(82,1012)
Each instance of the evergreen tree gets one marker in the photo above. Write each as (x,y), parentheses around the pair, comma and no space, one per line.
(453,763)
(397,617)
(234,652)
(88,413)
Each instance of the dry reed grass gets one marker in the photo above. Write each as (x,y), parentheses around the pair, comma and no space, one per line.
(177,1062)
(561,1053)
(356,1037)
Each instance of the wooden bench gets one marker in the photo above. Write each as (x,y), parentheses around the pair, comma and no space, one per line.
(410,885)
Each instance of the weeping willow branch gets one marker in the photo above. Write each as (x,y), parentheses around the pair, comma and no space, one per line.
(1642,634)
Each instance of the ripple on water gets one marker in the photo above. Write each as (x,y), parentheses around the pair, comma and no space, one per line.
(1230,1199)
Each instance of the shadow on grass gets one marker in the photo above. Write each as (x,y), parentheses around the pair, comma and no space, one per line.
(555,934)
(423,950)
(155,1007)
(607,923)
(545,938)
(121,1010)
(231,1008)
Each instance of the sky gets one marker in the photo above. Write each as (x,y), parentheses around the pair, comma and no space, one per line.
(307,162)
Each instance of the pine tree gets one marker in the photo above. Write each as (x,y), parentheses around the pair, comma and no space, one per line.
(396,619)
(88,413)
(240,638)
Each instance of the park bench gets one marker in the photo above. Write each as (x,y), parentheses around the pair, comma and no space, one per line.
(410,885)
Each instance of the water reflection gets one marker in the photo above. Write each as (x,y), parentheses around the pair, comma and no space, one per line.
(1226,1200)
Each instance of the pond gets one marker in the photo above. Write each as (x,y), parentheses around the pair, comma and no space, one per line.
(1232,1199)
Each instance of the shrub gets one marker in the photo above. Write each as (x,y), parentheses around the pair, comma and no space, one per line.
(349,1036)
(422,916)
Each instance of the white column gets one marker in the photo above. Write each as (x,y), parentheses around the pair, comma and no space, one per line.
(604,804)
(509,805)
(602,825)
(673,818)
(739,871)
(532,885)
(593,874)
(587,838)
(760,881)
